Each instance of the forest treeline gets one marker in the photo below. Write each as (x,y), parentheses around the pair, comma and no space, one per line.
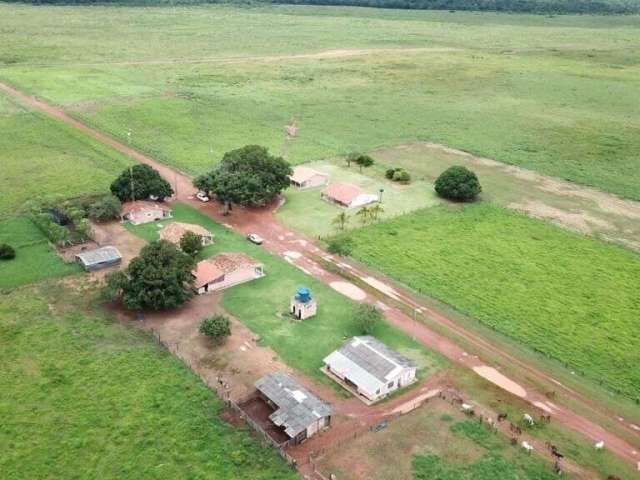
(517,6)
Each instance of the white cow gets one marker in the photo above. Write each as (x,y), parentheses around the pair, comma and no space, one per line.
(527,446)
(599,445)
(529,419)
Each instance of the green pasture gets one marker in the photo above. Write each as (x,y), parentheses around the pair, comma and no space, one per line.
(40,157)
(556,95)
(262,304)
(306,212)
(84,397)
(569,297)
(35,258)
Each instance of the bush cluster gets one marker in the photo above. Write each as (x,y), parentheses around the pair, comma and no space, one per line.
(398,174)
(7,252)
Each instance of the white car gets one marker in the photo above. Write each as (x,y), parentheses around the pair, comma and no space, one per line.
(255,238)
(203,197)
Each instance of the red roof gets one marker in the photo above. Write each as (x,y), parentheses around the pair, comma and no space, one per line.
(343,193)
(139,205)
(205,272)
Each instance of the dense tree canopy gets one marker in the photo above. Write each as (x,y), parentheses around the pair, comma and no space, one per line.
(367,317)
(105,208)
(159,278)
(248,176)
(458,183)
(139,183)
(216,328)
(191,243)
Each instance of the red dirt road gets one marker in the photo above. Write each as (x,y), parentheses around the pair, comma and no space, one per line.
(283,242)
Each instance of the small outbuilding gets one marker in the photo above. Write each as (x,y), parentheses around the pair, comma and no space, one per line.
(302,305)
(295,410)
(141,211)
(369,368)
(175,231)
(348,195)
(305,177)
(99,258)
(225,270)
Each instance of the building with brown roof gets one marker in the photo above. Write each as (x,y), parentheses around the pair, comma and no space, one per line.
(225,270)
(176,230)
(305,177)
(348,195)
(140,211)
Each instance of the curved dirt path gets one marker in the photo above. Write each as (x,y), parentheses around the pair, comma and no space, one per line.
(280,241)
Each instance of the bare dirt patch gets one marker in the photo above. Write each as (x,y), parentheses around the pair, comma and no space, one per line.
(500,380)
(349,290)
(579,221)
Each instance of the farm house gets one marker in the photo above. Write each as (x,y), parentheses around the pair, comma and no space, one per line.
(99,258)
(348,195)
(305,177)
(367,367)
(225,270)
(140,212)
(176,230)
(296,411)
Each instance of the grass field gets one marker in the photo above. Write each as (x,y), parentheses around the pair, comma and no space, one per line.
(35,258)
(262,305)
(567,296)
(306,212)
(194,88)
(83,397)
(41,157)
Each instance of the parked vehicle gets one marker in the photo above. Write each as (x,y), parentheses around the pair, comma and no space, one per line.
(255,238)
(202,196)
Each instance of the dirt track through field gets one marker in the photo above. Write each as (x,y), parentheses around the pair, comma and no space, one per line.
(281,241)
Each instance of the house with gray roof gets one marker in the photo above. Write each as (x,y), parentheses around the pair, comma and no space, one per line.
(99,258)
(369,368)
(296,410)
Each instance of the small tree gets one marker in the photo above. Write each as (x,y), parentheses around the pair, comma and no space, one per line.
(376,210)
(216,328)
(458,183)
(106,208)
(367,317)
(341,220)
(191,243)
(159,278)
(364,214)
(351,158)
(140,182)
(364,161)
(340,246)
(7,252)
(401,176)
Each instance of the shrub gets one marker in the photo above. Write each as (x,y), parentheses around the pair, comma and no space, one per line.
(191,243)
(7,252)
(106,208)
(402,176)
(390,173)
(340,246)
(458,183)
(367,317)
(217,327)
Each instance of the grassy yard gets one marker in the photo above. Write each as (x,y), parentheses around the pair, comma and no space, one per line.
(569,297)
(42,157)
(84,397)
(306,212)
(35,257)
(199,84)
(262,305)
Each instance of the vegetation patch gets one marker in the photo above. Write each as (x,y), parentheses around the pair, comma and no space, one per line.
(35,259)
(84,397)
(261,305)
(569,297)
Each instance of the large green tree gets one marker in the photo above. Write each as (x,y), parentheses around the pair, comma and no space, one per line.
(458,183)
(158,279)
(248,176)
(140,182)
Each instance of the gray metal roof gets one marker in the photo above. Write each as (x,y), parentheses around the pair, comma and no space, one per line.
(374,357)
(100,255)
(297,407)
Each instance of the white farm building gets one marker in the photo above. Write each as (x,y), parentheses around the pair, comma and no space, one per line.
(369,368)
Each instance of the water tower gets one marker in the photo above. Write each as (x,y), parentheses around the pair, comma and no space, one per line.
(302,306)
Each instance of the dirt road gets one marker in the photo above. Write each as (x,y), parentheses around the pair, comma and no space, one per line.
(300,252)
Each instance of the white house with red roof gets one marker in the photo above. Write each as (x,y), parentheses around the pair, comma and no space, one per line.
(348,195)
(141,211)
(305,177)
(225,270)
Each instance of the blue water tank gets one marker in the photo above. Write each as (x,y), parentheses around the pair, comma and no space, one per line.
(303,294)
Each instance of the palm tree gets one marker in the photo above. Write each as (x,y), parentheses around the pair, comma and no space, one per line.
(376,211)
(341,220)
(365,214)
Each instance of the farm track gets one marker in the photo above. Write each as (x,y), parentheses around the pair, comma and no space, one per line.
(282,242)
